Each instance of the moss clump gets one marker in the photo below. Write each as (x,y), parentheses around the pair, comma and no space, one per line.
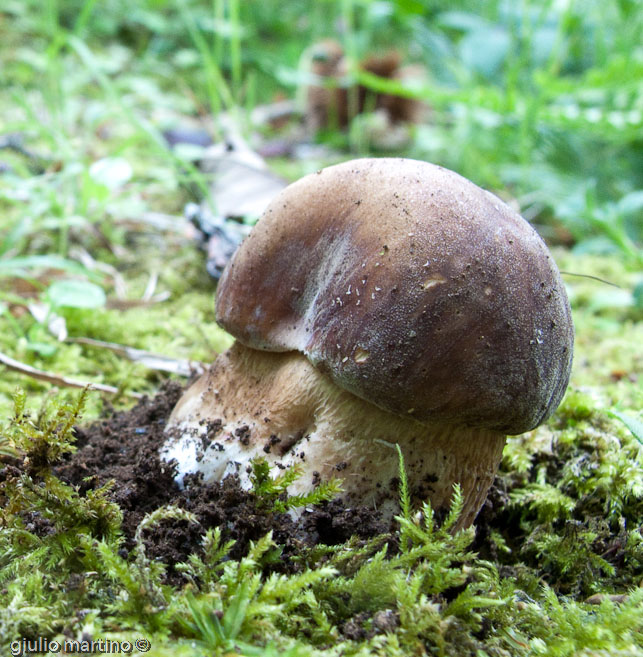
(518,587)
(272,493)
(573,505)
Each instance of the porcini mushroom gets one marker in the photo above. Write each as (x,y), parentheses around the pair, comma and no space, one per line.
(380,301)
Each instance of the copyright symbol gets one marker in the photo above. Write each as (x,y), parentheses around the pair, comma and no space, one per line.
(142,645)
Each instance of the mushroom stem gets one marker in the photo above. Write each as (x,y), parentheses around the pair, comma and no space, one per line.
(276,405)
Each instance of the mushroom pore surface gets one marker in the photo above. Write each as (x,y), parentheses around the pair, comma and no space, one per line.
(410,287)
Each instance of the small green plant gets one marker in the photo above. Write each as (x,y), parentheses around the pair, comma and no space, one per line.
(44,441)
(272,493)
(239,598)
(43,518)
(433,586)
(635,425)
(138,593)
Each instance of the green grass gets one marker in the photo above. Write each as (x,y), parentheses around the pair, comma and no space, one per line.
(541,102)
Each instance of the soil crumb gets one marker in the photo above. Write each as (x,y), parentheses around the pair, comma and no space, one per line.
(124,448)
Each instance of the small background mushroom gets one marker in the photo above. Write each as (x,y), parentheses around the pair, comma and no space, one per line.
(334,106)
(380,301)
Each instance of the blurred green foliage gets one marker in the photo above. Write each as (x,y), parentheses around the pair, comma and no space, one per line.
(540,99)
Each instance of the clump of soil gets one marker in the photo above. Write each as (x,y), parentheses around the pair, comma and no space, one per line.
(124,449)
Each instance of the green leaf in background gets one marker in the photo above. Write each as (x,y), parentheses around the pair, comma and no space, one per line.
(631,203)
(113,172)
(16,266)
(633,424)
(485,50)
(75,294)
(637,294)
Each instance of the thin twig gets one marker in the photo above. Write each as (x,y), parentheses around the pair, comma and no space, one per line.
(41,375)
(594,278)
(180,366)
(151,286)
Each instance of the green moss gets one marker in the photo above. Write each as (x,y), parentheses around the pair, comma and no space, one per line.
(182,327)
(61,553)
(272,493)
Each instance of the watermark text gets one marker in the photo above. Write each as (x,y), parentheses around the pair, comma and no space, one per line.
(22,647)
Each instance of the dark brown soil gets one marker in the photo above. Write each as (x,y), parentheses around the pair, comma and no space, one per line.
(124,449)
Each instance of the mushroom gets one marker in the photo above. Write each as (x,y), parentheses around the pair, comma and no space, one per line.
(329,102)
(376,302)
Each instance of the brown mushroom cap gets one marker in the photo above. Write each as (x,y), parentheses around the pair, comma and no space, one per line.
(410,287)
